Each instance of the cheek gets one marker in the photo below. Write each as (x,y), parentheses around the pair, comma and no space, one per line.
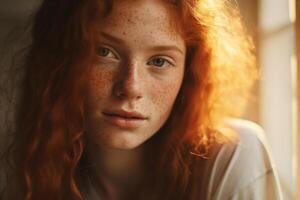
(99,84)
(163,97)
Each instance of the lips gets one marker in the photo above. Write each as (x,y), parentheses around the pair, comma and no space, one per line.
(125,119)
(125,114)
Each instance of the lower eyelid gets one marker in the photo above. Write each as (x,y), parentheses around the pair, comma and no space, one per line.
(166,64)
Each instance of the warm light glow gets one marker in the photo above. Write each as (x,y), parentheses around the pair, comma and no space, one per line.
(294,114)
(292,10)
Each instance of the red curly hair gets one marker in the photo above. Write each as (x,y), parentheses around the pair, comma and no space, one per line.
(48,151)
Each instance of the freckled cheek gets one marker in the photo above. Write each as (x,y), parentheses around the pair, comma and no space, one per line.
(163,98)
(99,84)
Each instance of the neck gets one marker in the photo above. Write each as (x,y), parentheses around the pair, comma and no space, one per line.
(115,172)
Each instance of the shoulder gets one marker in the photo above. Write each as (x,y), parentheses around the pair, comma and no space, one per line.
(247,131)
(250,146)
(241,163)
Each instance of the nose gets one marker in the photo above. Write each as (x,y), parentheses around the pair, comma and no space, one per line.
(129,83)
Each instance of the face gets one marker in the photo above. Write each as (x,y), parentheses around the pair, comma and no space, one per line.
(137,74)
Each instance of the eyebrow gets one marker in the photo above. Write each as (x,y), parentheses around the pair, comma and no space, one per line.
(154,48)
(112,38)
(166,48)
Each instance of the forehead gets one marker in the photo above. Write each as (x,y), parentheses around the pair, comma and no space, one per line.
(158,17)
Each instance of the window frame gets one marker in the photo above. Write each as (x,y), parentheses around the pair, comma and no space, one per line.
(297,29)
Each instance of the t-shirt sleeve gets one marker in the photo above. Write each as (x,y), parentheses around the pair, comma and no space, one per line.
(244,170)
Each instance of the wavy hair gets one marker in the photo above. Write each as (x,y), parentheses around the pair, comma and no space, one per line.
(48,150)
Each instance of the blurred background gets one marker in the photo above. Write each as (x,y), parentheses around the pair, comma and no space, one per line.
(275,102)
(275,26)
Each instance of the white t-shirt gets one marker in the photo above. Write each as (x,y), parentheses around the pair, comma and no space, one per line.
(250,173)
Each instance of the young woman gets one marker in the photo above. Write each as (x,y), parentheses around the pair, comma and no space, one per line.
(132,99)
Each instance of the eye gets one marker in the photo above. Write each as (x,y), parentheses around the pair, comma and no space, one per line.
(160,62)
(105,52)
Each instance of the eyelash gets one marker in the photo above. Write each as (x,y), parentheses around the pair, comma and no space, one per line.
(169,63)
(99,49)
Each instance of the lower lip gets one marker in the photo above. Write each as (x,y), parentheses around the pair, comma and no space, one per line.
(125,123)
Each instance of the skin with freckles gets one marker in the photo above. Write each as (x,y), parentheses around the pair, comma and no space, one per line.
(139,68)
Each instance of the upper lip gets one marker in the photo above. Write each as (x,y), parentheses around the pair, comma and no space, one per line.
(125,114)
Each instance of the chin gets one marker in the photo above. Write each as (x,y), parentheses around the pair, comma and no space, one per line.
(123,143)
(120,139)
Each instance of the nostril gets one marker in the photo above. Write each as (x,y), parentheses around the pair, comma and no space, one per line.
(120,94)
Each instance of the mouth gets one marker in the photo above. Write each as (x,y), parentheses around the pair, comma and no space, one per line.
(125,119)
(125,114)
